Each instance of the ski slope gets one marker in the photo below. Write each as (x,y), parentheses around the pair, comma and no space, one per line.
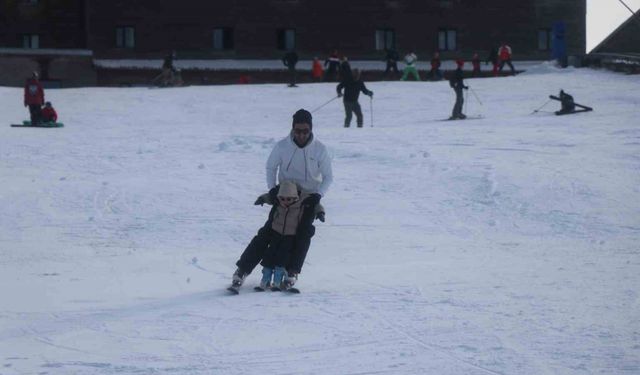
(504,245)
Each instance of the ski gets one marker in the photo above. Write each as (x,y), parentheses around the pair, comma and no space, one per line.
(234,289)
(285,289)
(467,118)
(27,124)
(258,288)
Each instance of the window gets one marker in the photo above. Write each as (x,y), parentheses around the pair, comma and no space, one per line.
(125,37)
(30,41)
(223,38)
(385,38)
(447,39)
(286,39)
(545,41)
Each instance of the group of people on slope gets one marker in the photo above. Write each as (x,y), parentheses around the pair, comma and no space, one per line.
(499,57)
(299,174)
(39,110)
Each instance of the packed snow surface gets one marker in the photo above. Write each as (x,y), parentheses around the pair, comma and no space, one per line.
(502,245)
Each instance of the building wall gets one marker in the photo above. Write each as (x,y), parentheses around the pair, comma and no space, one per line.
(321,26)
(186,26)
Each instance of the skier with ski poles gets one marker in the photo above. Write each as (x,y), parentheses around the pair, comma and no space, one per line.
(300,158)
(352,89)
(457,84)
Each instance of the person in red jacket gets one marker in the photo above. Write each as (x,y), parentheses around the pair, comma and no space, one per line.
(48,113)
(34,97)
(505,57)
(475,61)
(316,70)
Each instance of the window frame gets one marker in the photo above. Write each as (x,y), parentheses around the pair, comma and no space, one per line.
(385,38)
(281,39)
(548,32)
(444,44)
(123,37)
(29,39)
(227,41)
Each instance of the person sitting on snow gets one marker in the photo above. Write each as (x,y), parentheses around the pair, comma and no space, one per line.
(48,113)
(567,103)
(288,211)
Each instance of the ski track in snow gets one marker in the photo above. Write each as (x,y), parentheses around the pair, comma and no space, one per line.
(503,245)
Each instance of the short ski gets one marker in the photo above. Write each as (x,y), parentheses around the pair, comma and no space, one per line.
(234,289)
(284,289)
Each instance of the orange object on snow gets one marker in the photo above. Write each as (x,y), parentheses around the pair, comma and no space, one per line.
(316,69)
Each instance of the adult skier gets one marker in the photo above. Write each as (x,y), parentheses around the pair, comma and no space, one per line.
(493,59)
(505,57)
(34,98)
(457,85)
(304,160)
(410,59)
(290,59)
(435,74)
(352,89)
(333,61)
(475,61)
(391,57)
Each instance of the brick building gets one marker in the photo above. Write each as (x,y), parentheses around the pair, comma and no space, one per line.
(252,29)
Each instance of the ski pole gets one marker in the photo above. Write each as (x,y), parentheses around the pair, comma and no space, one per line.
(371,104)
(332,99)
(474,94)
(542,106)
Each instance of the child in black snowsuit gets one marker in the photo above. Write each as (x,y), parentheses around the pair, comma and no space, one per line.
(352,89)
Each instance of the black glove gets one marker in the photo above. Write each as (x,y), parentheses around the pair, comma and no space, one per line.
(320,216)
(339,95)
(371,94)
(312,199)
(466,87)
(260,201)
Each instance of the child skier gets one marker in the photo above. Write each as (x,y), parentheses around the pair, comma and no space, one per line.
(48,113)
(410,59)
(289,209)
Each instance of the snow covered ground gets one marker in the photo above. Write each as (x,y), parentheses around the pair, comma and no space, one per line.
(504,245)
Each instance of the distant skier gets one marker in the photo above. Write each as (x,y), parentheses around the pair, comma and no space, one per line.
(290,59)
(345,70)
(289,208)
(391,57)
(167,76)
(304,160)
(475,61)
(457,84)
(410,59)
(316,70)
(34,98)
(493,59)
(435,74)
(505,57)
(49,114)
(333,62)
(352,89)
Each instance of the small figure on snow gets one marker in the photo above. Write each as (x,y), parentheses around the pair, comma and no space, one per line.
(352,89)
(410,59)
(505,57)
(333,61)
(300,158)
(316,70)
(345,70)
(435,74)
(391,57)
(290,59)
(34,98)
(49,114)
(475,61)
(457,84)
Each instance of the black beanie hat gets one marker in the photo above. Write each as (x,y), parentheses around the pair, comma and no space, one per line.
(302,116)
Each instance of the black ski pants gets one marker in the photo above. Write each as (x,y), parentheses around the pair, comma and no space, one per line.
(391,66)
(349,109)
(257,248)
(292,75)
(457,108)
(508,62)
(36,113)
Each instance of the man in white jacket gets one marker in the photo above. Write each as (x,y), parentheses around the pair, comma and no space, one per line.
(300,158)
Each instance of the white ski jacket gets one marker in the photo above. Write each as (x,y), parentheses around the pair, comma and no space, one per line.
(309,167)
